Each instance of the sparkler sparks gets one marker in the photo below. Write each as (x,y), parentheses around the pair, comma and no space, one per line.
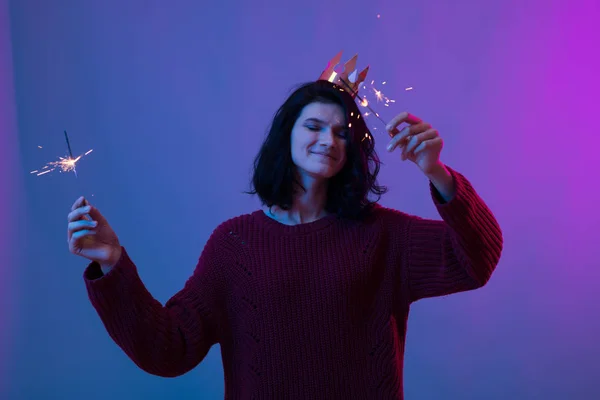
(350,80)
(379,94)
(63,164)
(364,102)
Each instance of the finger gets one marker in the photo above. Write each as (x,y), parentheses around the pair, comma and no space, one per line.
(419,128)
(81,202)
(400,118)
(428,144)
(418,139)
(78,203)
(79,213)
(81,224)
(79,235)
(407,133)
(412,130)
(397,139)
(413,141)
(95,215)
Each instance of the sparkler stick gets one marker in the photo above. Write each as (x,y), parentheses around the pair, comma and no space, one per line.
(347,83)
(363,101)
(64,164)
(411,120)
(70,153)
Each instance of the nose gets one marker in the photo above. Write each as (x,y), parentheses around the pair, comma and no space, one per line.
(327,137)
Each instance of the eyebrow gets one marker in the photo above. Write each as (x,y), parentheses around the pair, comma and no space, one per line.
(312,119)
(319,121)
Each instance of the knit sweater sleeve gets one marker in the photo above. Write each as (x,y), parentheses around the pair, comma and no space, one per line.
(167,340)
(456,254)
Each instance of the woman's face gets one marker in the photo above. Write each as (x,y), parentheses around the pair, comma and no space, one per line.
(319,139)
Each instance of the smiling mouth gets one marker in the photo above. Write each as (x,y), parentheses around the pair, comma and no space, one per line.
(324,155)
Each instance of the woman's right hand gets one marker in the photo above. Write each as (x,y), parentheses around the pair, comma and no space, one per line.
(90,235)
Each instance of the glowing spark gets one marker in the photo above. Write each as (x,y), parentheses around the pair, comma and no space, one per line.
(364,101)
(39,147)
(378,15)
(378,94)
(409,88)
(66,164)
(63,164)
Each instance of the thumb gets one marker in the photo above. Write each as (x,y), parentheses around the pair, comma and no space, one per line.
(96,215)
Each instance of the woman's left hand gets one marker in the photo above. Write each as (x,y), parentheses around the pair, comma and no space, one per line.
(420,143)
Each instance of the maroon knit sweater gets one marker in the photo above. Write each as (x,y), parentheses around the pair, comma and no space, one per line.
(311,311)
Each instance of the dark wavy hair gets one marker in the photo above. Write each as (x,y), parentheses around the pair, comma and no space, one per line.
(274,178)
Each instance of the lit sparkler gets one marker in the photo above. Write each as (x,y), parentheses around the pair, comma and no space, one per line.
(379,94)
(347,83)
(365,102)
(63,164)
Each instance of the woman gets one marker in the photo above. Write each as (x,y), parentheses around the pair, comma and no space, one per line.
(309,297)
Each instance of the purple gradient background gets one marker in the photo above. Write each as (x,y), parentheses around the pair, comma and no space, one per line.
(175,100)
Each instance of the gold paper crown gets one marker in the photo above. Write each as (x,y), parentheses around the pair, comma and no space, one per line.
(348,79)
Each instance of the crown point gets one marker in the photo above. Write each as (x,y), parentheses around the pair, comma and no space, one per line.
(349,78)
(336,59)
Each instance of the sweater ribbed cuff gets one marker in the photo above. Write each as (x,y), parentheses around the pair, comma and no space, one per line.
(460,209)
(105,291)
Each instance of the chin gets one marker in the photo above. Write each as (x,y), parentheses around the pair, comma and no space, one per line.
(317,169)
(323,173)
